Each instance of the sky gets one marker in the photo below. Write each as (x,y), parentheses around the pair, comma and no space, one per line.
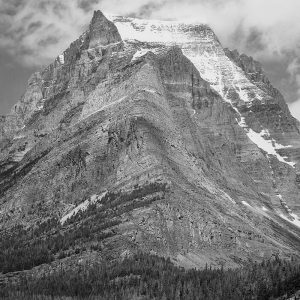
(34,32)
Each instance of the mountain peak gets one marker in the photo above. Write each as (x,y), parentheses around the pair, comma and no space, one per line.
(164,143)
(102,31)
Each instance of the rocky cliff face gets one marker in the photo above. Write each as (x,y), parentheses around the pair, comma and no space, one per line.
(150,136)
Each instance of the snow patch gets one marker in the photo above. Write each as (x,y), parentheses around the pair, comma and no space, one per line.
(155,31)
(61,58)
(82,207)
(17,137)
(246,203)
(40,106)
(241,92)
(140,53)
(229,198)
(263,144)
(267,145)
(262,210)
(279,146)
(242,123)
(149,90)
(295,221)
(257,209)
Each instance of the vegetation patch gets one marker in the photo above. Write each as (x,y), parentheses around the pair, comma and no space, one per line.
(145,276)
(23,249)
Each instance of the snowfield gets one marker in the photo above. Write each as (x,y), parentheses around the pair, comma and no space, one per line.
(202,48)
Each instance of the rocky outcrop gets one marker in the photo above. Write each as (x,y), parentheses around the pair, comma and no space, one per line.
(274,116)
(252,68)
(102,31)
(140,144)
(254,71)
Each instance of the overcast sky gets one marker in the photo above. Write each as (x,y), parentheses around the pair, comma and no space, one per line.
(34,32)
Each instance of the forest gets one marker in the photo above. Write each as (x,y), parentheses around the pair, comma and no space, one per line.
(139,276)
(24,248)
(144,276)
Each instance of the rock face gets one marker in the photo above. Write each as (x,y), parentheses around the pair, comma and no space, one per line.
(102,31)
(148,135)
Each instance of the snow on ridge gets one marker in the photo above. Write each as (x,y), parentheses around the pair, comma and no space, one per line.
(210,59)
(213,65)
(116,18)
(155,31)
(142,52)
(82,207)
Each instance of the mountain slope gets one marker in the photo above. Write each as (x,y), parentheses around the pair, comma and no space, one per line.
(147,135)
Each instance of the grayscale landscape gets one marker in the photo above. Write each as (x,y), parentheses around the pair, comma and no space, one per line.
(147,161)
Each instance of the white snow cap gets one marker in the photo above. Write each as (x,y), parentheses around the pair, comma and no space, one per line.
(200,45)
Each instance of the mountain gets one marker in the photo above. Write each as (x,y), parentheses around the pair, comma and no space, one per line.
(148,136)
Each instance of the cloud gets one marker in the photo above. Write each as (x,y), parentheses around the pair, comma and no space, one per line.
(36,31)
(293,83)
(265,28)
(271,24)
(295,109)
(268,30)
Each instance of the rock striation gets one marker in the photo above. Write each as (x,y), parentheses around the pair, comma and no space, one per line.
(148,135)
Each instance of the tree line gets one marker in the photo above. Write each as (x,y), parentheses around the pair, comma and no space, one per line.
(145,276)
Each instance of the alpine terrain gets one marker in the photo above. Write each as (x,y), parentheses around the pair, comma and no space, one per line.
(148,137)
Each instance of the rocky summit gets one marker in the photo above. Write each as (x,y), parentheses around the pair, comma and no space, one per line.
(148,136)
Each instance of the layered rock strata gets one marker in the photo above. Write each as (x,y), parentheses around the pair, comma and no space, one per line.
(180,147)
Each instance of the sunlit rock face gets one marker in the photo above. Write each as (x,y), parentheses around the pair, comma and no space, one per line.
(185,148)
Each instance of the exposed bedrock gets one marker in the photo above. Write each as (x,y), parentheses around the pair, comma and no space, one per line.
(153,147)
